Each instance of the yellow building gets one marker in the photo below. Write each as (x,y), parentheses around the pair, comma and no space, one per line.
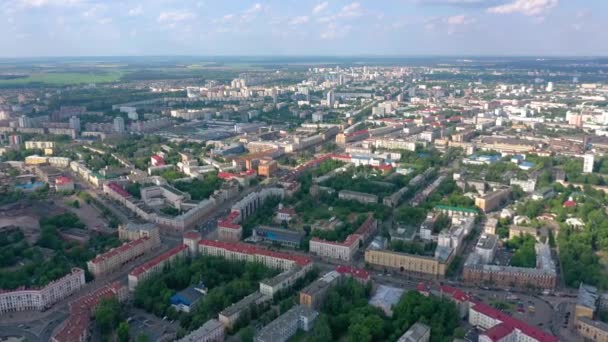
(406,262)
(35,160)
(591,330)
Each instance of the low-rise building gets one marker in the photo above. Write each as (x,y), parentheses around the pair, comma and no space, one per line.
(416,333)
(212,331)
(313,295)
(286,325)
(357,196)
(231,314)
(282,236)
(403,262)
(498,326)
(591,330)
(63,183)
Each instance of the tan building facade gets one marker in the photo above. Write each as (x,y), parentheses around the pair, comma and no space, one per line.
(406,262)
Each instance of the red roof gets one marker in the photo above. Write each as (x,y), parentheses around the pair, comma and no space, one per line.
(455,293)
(254,250)
(355,272)
(192,235)
(507,320)
(158,159)
(148,265)
(383,167)
(498,332)
(569,204)
(361,132)
(288,211)
(229,221)
(119,190)
(77,324)
(61,180)
(118,250)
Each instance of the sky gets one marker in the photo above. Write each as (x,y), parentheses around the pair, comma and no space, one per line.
(41,28)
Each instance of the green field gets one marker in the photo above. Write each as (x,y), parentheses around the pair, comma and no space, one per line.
(64,78)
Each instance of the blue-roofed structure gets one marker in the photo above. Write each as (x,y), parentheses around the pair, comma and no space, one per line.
(188,298)
(279,235)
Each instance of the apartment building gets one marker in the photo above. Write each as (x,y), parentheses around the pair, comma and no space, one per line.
(285,326)
(212,331)
(499,326)
(357,196)
(115,258)
(312,295)
(42,298)
(346,249)
(76,326)
(147,269)
(251,253)
(231,314)
(592,330)
(133,231)
(424,265)
(493,200)
(40,145)
(544,276)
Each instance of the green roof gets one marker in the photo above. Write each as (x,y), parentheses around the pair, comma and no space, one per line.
(461,209)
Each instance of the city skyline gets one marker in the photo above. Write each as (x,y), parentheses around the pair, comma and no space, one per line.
(50,28)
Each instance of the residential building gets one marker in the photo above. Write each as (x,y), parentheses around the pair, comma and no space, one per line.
(346,249)
(588,160)
(313,295)
(119,124)
(42,298)
(357,196)
(416,333)
(76,326)
(115,258)
(231,314)
(403,262)
(63,183)
(498,326)
(586,302)
(40,145)
(212,331)
(493,200)
(592,330)
(543,276)
(133,231)
(287,325)
(147,269)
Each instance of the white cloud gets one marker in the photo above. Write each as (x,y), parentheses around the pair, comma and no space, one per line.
(352,10)
(94,11)
(459,20)
(320,7)
(299,20)
(136,11)
(42,3)
(526,7)
(333,31)
(175,16)
(255,8)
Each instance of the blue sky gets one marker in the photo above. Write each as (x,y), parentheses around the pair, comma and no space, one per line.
(290,27)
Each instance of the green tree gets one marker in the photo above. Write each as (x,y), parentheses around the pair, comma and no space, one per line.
(123,332)
(321,331)
(107,315)
(247,334)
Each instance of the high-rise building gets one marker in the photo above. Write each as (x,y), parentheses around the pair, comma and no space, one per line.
(119,124)
(75,123)
(588,160)
(25,122)
(330,99)
(550,87)
(14,140)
